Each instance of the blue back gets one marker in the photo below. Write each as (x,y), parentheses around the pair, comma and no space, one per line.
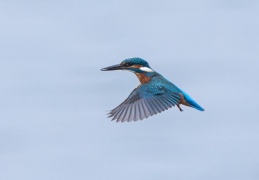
(159,84)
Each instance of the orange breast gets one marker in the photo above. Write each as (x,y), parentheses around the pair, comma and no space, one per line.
(143,78)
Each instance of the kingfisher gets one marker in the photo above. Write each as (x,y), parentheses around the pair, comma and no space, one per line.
(154,94)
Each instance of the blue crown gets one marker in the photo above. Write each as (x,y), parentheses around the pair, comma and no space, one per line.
(136,61)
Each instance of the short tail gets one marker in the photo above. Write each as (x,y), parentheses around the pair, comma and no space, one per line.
(190,101)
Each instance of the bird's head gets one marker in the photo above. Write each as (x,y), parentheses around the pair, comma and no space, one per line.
(136,65)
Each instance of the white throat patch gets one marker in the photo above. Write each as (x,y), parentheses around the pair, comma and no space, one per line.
(146,69)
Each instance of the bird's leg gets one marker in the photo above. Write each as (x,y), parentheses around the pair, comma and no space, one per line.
(178,105)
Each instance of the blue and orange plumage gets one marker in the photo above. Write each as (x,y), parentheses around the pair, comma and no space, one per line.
(154,95)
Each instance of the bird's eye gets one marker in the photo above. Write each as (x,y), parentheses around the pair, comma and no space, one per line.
(126,64)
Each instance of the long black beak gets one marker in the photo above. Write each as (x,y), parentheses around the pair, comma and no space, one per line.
(114,67)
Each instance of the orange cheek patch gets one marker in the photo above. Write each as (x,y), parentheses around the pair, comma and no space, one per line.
(136,66)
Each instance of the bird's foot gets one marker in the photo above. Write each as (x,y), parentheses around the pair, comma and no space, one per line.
(178,105)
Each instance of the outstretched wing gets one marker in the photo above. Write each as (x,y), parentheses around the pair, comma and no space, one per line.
(144,102)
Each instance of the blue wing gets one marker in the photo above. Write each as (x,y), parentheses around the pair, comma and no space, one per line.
(144,101)
(186,98)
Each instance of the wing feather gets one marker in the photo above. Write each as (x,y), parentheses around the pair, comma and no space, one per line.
(145,108)
(137,115)
(141,104)
(157,104)
(153,105)
(131,112)
(151,109)
(124,116)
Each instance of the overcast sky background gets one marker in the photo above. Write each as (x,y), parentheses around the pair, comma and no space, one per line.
(54,98)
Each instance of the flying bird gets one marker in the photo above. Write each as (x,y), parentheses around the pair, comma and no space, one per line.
(154,95)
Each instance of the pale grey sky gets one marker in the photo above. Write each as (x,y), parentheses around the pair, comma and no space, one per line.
(54,98)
